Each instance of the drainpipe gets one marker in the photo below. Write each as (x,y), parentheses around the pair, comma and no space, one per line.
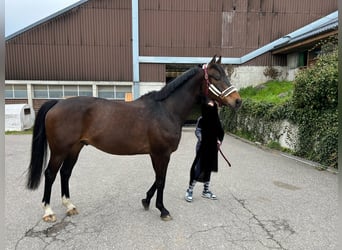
(29,95)
(135,48)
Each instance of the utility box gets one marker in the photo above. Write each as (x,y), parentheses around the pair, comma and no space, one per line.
(18,117)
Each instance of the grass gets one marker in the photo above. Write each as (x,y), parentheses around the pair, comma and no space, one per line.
(276,92)
(25,132)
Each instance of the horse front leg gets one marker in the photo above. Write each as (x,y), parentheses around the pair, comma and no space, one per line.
(160,163)
(164,213)
(146,202)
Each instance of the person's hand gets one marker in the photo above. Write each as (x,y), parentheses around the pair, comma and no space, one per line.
(218,144)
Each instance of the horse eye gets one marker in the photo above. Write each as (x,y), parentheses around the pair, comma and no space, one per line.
(216,77)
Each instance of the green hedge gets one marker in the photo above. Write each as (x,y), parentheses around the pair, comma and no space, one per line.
(315,100)
(313,109)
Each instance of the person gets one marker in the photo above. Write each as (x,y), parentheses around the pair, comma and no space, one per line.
(209,133)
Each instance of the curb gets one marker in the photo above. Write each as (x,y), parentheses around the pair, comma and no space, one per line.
(316,165)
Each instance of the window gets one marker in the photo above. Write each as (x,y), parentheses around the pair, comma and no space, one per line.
(40,91)
(15,91)
(27,111)
(70,90)
(56,91)
(106,92)
(302,59)
(122,90)
(61,91)
(85,90)
(114,92)
(9,91)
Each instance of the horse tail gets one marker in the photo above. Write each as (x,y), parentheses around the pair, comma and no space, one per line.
(39,146)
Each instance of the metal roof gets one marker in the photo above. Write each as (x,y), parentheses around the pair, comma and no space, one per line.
(327,23)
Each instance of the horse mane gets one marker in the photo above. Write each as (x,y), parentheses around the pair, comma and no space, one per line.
(172,86)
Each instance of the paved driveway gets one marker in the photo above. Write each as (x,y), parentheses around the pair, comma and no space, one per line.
(265,201)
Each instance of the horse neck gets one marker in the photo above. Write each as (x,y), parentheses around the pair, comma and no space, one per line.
(180,103)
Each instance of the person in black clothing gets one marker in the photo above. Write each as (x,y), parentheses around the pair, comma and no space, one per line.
(209,133)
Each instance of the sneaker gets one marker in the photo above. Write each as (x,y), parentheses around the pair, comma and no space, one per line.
(188,195)
(209,195)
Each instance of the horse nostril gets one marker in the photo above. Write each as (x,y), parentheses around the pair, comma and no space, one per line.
(238,102)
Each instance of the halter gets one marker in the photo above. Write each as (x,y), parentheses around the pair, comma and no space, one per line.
(213,89)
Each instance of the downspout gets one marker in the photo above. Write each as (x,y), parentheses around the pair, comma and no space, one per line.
(135,48)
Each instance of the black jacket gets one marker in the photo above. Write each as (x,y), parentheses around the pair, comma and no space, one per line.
(211,131)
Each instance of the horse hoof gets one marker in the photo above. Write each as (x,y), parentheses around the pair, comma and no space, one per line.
(145,204)
(72,212)
(166,217)
(50,218)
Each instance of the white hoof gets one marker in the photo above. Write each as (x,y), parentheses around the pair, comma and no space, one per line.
(49,215)
(71,209)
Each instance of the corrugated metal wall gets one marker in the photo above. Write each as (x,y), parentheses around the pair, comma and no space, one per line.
(93,41)
(231,28)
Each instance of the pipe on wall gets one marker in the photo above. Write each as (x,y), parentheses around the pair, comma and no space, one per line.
(135,47)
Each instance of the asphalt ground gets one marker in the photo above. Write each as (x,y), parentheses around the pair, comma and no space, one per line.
(265,201)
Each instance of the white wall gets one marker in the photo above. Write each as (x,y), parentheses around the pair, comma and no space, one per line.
(244,76)
(146,87)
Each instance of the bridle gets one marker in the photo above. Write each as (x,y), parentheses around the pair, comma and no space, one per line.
(213,89)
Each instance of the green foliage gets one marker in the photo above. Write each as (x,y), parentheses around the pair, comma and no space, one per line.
(315,100)
(310,103)
(316,87)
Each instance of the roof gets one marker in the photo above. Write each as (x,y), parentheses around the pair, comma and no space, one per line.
(326,26)
(60,12)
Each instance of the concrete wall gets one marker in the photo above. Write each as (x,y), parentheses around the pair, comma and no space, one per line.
(146,87)
(244,76)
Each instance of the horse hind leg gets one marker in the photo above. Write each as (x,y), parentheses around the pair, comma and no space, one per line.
(50,176)
(65,174)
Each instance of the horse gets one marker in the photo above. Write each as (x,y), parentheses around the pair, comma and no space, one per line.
(150,124)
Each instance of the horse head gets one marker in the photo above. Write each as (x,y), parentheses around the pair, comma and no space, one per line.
(218,86)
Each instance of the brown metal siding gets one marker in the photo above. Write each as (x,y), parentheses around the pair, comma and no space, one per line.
(152,72)
(93,41)
(231,28)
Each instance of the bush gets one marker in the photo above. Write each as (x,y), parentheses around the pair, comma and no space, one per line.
(316,87)
(315,101)
(313,108)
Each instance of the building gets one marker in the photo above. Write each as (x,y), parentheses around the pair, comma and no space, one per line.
(115,49)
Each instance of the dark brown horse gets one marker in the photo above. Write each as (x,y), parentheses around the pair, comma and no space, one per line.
(150,125)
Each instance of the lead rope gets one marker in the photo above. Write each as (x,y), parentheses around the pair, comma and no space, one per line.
(224,157)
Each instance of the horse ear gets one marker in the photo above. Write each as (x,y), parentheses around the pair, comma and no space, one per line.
(213,60)
(219,60)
